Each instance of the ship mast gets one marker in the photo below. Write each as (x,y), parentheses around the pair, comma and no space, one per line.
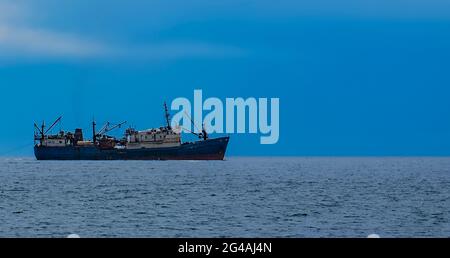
(167,115)
(94,134)
(42,132)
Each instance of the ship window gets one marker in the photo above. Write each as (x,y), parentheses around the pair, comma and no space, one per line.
(60,141)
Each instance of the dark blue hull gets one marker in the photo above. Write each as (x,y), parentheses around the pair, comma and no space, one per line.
(211,149)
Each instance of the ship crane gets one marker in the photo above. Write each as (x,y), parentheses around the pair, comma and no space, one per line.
(203,135)
(39,131)
(105,129)
(42,131)
(53,125)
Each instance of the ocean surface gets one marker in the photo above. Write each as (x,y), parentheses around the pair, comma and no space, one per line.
(239,197)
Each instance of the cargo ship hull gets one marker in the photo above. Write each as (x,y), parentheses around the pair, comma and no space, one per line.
(210,149)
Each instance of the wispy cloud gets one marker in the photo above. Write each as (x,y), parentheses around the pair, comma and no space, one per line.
(28,42)
(9,11)
(19,39)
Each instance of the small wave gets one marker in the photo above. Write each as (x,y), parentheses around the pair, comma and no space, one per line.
(298,215)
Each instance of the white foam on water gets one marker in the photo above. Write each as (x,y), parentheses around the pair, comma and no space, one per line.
(373,236)
(73,236)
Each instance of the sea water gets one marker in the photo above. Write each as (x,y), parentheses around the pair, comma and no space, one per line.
(239,197)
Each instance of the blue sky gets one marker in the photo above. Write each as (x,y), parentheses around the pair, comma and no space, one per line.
(354,77)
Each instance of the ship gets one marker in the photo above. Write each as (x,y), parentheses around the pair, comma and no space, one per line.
(163,143)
